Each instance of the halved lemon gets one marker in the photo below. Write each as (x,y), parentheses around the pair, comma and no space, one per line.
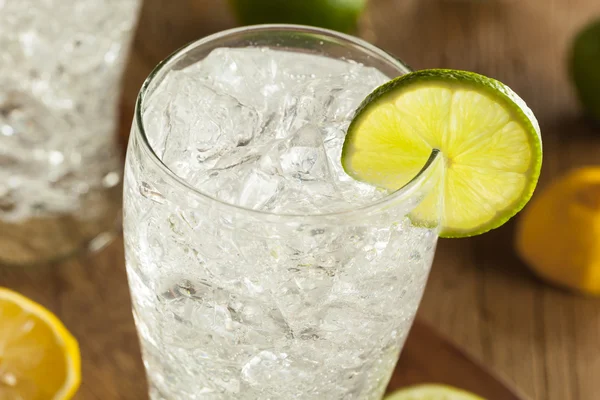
(432,392)
(489,138)
(39,358)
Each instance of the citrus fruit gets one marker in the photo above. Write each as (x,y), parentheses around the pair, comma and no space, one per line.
(432,392)
(557,235)
(339,15)
(39,359)
(489,139)
(584,66)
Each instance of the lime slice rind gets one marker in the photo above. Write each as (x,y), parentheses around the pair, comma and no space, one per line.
(431,198)
(488,136)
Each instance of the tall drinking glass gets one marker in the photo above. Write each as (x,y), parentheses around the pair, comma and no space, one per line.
(60,168)
(258,269)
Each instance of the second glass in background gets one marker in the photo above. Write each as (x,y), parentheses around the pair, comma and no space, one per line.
(60,166)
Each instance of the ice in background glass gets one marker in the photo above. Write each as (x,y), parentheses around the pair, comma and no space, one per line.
(60,168)
(258,269)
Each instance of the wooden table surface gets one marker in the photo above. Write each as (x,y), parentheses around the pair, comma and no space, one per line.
(544,340)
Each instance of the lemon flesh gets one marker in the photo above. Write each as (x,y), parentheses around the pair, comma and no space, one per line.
(557,235)
(432,392)
(489,139)
(39,359)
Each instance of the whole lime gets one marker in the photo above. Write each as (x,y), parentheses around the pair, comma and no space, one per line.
(339,15)
(584,65)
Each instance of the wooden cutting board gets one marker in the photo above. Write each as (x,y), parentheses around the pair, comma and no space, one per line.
(430,358)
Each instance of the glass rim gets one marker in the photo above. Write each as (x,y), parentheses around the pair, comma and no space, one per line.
(404,193)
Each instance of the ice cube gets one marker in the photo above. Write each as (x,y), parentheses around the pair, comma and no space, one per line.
(303,104)
(328,98)
(199,124)
(297,67)
(268,370)
(302,155)
(241,178)
(252,128)
(252,76)
(308,183)
(26,123)
(259,189)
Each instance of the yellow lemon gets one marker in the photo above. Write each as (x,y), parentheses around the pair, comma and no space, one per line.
(558,235)
(39,359)
(432,392)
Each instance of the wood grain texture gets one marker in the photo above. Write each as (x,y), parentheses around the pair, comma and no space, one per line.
(428,357)
(543,340)
(89,294)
